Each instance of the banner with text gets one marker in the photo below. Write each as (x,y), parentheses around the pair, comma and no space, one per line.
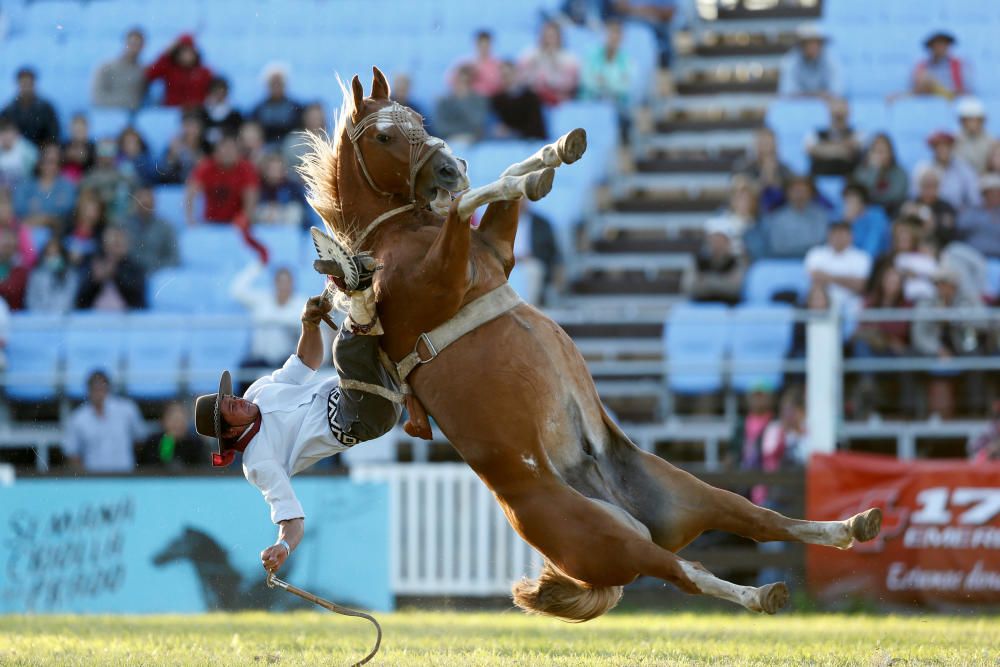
(143,545)
(940,539)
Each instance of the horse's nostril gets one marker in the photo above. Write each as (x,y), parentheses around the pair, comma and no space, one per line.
(448,171)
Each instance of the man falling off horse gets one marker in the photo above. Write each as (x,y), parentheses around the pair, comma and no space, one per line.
(289,420)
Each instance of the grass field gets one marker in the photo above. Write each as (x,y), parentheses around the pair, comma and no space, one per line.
(473,639)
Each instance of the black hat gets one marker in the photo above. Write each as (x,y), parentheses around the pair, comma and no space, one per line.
(207,408)
(937,35)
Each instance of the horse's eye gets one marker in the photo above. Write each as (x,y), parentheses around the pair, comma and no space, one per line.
(382,138)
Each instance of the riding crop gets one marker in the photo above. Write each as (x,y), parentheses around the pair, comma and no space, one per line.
(273,581)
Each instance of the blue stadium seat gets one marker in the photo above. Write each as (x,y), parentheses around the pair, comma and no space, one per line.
(214,246)
(830,188)
(767,277)
(912,119)
(155,346)
(214,349)
(93,341)
(869,116)
(187,290)
(993,279)
(792,120)
(107,123)
(57,20)
(284,244)
(696,337)
(169,202)
(34,350)
(158,125)
(760,338)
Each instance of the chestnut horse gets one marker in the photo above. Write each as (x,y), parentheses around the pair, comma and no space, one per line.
(514,396)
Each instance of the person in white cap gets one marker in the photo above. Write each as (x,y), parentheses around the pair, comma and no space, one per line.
(808,70)
(974,141)
(720,264)
(980,226)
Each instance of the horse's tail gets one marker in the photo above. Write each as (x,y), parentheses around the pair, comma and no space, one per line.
(555,594)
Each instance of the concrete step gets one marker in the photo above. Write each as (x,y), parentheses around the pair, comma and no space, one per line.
(709,141)
(729,102)
(798,13)
(717,64)
(631,286)
(637,243)
(763,85)
(753,22)
(649,263)
(660,205)
(743,47)
(688,162)
(620,347)
(671,224)
(637,307)
(708,123)
(691,183)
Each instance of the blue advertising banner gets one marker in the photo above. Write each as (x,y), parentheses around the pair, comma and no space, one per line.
(144,545)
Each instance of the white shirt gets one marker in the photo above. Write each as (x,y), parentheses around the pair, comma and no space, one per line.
(294,433)
(105,442)
(275,326)
(849,263)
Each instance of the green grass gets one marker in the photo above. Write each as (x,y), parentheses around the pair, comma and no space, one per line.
(508,638)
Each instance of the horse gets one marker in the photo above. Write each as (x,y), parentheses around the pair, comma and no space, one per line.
(514,395)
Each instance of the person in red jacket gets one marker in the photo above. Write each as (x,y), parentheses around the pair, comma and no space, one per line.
(228,182)
(13,274)
(185,79)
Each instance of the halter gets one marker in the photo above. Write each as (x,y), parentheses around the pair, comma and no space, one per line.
(422,147)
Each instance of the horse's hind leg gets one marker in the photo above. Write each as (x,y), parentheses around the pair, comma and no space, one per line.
(569,148)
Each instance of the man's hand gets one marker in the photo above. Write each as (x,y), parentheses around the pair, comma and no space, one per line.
(291,531)
(273,557)
(317,308)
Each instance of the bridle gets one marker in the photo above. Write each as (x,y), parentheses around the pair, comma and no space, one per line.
(422,147)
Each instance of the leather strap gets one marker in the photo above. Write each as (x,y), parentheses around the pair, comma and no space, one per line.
(474,314)
(378,221)
(369,388)
(228,448)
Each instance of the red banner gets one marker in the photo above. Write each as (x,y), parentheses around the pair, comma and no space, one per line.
(940,539)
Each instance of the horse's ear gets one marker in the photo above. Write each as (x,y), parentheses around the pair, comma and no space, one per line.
(359,97)
(380,86)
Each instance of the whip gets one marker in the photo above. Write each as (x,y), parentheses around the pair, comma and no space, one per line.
(273,581)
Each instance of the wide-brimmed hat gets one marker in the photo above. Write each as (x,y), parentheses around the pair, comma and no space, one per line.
(939,35)
(207,408)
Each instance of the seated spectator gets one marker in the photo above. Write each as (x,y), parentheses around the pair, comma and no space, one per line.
(809,70)
(941,73)
(102,433)
(720,266)
(13,272)
(294,147)
(34,116)
(154,244)
(484,66)
(993,159)
(86,227)
(980,226)
(959,182)
(549,69)
(228,182)
(78,153)
(887,183)
(121,83)
(984,447)
(869,224)
(741,211)
(538,264)
(400,92)
(275,314)
(25,241)
(175,445)
(841,268)
(134,160)
(185,150)
(278,114)
(112,281)
(282,201)
(974,142)
(218,115)
(835,150)
(46,199)
(765,170)
(657,14)
(745,450)
(461,115)
(914,258)
(794,228)
(517,108)
(938,215)
(251,142)
(53,283)
(185,79)
(112,185)
(607,72)
(17,155)
(784,444)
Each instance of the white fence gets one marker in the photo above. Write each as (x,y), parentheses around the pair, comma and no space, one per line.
(448,535)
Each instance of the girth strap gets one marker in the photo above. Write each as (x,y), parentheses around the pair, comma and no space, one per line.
(474,314)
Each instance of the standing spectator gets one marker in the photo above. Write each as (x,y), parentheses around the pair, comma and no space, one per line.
(913,258)
(275,314)
(154,244)
(121,83)
(278,114)
(86,228)
(939,215)
(538,264)
(134,160)
(78,152)
(13,273)
(185,79)
(720,267)
(48,198)
(295,147)
(228,182)
(841,268)
(34,117)
(102,433)
(484,66)
(869,224)
(53,283)
(185,150)
(282,201)
(784,442)
(17,155)
(251,142)
(607,75)
(980,226)
(745,449)
(551,71)
(974,141)
(218,115)
(112,281)
(809,70)
(175,445)
(765,170)
(112,186)
(401,89)
(461,115)
(959,182)
(657,14)
(835,150)
(941,73)
(794,228)
(517,108)
(886,181)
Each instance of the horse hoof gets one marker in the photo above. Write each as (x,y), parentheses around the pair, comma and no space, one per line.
(572,145)
(866,526)
(539,183)
(773,597)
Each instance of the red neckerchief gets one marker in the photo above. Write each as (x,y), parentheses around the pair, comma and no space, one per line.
(229,447)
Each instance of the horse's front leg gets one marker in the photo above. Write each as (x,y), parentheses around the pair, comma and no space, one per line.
(566,150)
(534,186)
